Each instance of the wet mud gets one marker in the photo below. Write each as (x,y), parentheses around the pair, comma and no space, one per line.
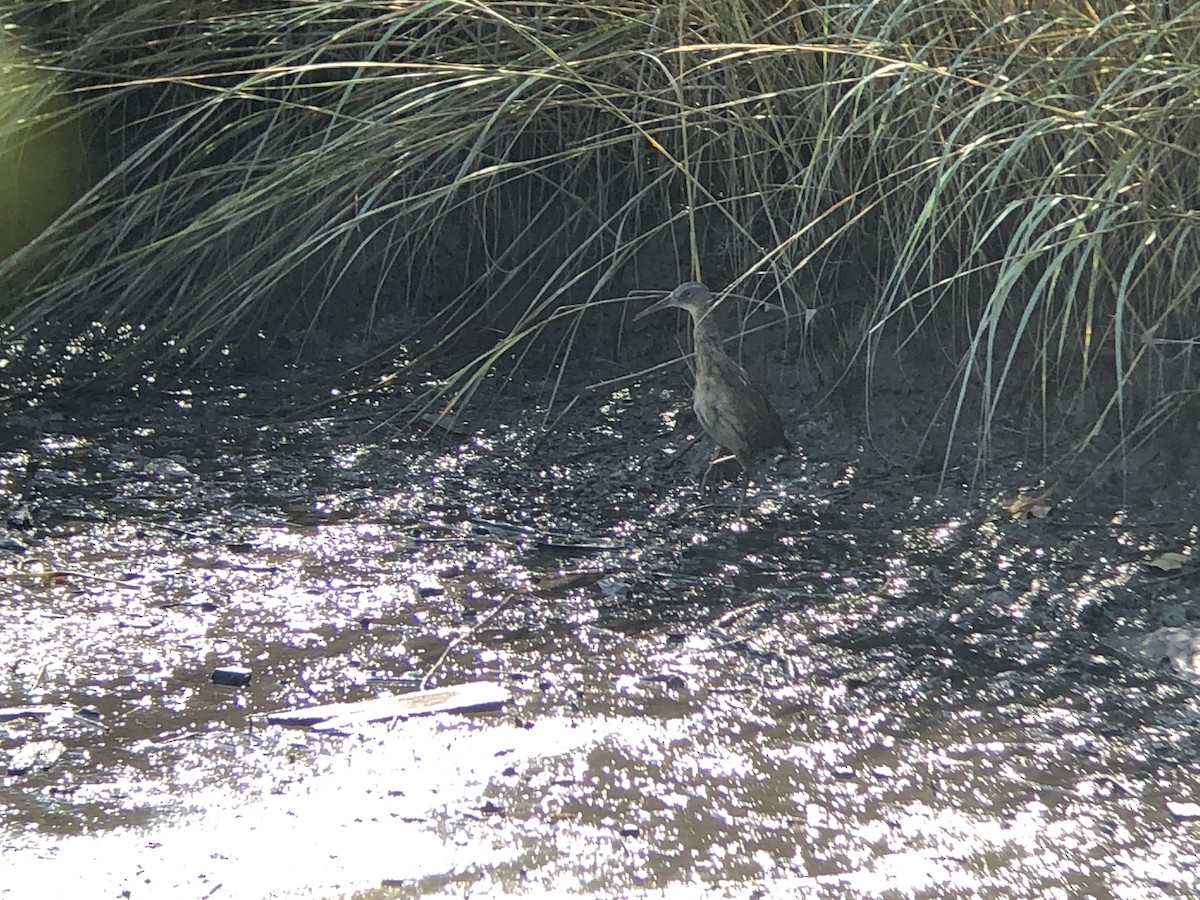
(861,686)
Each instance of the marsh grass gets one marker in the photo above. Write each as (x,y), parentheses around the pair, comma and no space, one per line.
(1009,186)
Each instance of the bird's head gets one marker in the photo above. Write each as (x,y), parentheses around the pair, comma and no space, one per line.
(691,295)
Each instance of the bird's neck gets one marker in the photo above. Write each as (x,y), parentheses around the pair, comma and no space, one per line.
(706,337)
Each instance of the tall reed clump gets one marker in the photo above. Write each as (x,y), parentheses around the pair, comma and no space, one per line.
(1010,183)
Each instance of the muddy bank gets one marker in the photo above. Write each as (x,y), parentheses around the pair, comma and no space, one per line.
(860,686)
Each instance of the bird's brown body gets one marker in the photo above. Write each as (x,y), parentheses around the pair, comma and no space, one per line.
(731,408)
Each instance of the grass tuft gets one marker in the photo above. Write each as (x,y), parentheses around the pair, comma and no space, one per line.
(1007,187)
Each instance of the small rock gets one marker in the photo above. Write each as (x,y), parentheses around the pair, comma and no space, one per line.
(429,587)
(614,588)
(35,755)
(236,676)
(166,468)
(1183,810)
(1179,647)
(1173,615)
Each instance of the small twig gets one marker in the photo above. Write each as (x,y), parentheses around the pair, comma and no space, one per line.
(688,445)
(76,573)
(592,451)
(549,429)
(175,529)
(483,620)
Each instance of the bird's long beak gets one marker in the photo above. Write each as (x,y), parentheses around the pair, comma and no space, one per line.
(661,304)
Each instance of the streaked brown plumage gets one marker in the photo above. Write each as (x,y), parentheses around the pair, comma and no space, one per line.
(731,408)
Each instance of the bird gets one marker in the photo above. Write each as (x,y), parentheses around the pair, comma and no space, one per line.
(732,409)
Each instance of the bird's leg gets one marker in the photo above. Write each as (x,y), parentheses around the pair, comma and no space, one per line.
(745,484)
(716,462)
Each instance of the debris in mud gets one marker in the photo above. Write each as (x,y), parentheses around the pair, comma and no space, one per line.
(20,516)
(614,588)
(167,468)
(40,711)
(1169,562)
(54,714)
(35,756)
(1183,810)
(478,696)
(429,587)
(1034,506)
(234,676)
(1180,647)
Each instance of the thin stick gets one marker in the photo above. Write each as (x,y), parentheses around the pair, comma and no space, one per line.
(483,620)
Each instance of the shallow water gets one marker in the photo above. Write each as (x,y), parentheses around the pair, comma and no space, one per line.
(859,688)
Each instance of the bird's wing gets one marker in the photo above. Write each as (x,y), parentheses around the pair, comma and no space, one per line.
(735,411)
